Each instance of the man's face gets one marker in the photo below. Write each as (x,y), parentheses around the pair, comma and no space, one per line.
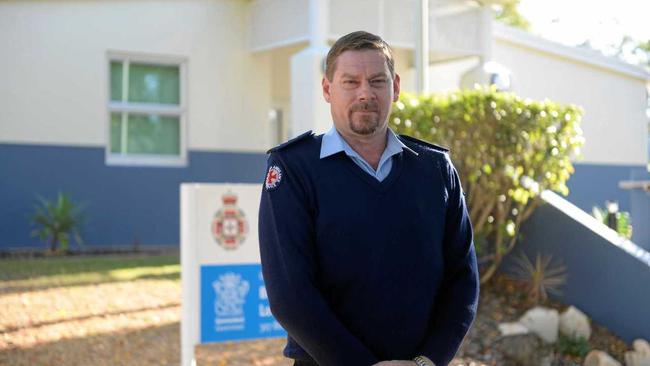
(361,93)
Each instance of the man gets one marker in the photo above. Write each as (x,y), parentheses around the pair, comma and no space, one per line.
(365,239)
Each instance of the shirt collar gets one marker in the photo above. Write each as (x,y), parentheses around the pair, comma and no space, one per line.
(333,143)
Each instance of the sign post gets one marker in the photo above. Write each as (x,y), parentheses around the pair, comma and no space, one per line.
(224,297)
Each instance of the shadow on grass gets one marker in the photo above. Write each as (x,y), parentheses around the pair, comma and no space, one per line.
(89,316)
(26,268)
(26,286)
(20,275)
(148,346)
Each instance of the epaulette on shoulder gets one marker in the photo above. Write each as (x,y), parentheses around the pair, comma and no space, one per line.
(421,142)
(291,141)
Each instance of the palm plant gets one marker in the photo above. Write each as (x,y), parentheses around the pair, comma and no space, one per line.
(57,221)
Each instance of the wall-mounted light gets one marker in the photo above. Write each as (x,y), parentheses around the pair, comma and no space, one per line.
(488,73)
(612,213)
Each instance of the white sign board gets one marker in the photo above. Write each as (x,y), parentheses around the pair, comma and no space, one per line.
(224,297)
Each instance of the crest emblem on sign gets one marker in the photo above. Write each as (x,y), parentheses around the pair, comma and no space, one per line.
(231,292)
(273,177)
(229,226)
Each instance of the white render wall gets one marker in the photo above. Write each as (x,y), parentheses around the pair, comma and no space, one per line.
(612,95)
(54,69)
(614,124)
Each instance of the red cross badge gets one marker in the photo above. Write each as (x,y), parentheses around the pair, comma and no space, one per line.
(273,177)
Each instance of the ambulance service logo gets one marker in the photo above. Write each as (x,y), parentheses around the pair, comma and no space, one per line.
(229,226)
(273,177)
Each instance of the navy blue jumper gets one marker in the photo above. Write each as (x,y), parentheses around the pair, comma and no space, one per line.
(360,271)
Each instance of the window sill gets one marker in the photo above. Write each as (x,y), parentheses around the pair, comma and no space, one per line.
(146,161)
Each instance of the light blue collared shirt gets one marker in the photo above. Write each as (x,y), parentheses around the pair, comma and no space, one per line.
(333,143)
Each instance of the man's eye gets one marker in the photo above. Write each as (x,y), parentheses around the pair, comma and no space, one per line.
(349,82)
(378,81)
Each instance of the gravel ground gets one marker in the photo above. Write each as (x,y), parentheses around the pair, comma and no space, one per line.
(121,323)
(137,323)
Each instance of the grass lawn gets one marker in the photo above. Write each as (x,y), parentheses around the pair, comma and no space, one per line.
(44,272)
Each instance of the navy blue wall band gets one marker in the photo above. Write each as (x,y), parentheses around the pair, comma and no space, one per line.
(593,184)
(141,204)
(124,205)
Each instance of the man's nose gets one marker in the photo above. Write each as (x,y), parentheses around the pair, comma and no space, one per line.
(365,92)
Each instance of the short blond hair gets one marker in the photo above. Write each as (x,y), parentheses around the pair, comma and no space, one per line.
(358,40)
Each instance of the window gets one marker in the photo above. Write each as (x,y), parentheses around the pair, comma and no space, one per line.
(146,111)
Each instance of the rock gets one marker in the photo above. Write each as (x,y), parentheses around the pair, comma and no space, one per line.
(600,358)
(640,356)
(563,362)
(472,349)
(515,328)
(525,350)
(575,324)
(634,358)
(543,322)
(641,346)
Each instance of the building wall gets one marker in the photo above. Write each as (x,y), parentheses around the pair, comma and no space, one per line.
(122,206)
(55,80)
(614,123)
(54,120)
(54,124)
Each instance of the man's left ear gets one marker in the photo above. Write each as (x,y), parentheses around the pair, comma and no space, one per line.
(325,84)
(396,88)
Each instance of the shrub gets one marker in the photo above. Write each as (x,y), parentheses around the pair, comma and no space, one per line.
(57,221)
(506,149)
(572,347)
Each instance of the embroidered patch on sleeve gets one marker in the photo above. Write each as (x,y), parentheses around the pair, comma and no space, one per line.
(273,177)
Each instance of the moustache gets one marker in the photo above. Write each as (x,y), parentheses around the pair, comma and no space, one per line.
(365,107)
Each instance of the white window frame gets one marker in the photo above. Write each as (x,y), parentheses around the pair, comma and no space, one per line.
(179,111)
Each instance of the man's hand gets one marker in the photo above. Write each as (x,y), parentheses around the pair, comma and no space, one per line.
(395,363)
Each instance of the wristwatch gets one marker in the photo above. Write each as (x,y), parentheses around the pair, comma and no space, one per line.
(423,361)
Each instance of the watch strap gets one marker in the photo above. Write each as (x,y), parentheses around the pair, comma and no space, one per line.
(423,361)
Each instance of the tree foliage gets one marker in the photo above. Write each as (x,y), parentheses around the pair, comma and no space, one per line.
(508,13)
(506,149)
(635,51)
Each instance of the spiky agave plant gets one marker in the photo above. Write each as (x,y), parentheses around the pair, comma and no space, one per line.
(539,278)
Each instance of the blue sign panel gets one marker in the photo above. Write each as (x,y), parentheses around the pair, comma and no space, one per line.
(234,305)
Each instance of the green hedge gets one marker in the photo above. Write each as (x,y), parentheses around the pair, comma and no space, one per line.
(506,149)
